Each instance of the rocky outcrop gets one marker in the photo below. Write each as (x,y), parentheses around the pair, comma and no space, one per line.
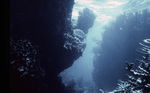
(86,19)
(42,24)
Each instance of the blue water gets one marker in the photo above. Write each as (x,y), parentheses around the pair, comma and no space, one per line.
(106,11)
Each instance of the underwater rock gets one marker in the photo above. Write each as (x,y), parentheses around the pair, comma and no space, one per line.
(43,23)
(86,19)
(74,39)
(74,42)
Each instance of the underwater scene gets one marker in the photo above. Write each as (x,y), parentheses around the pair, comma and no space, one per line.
(79,46)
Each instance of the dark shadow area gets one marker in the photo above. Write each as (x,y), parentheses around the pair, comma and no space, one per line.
(39,25)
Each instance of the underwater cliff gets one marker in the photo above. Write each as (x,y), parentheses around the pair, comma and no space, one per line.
(43,42)
(39,26)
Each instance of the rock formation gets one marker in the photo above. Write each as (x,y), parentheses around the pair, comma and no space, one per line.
(42,44)
(40,24)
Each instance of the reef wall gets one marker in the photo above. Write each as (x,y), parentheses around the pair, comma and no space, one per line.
(40,26)
(119,44)
(138,79)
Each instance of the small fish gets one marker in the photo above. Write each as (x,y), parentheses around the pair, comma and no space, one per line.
(129,65)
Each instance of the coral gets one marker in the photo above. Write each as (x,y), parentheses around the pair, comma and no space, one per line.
(119,43)
(74,41)
(24,58)
(139,80)
(79,33)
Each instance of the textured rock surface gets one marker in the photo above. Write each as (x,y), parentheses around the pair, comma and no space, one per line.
(43,23)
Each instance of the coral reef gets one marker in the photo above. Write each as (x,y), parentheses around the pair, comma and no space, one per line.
(119,43)
(43,23)
(25,67)
(75,41)
(24,58)
(47,24)
(139,79)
